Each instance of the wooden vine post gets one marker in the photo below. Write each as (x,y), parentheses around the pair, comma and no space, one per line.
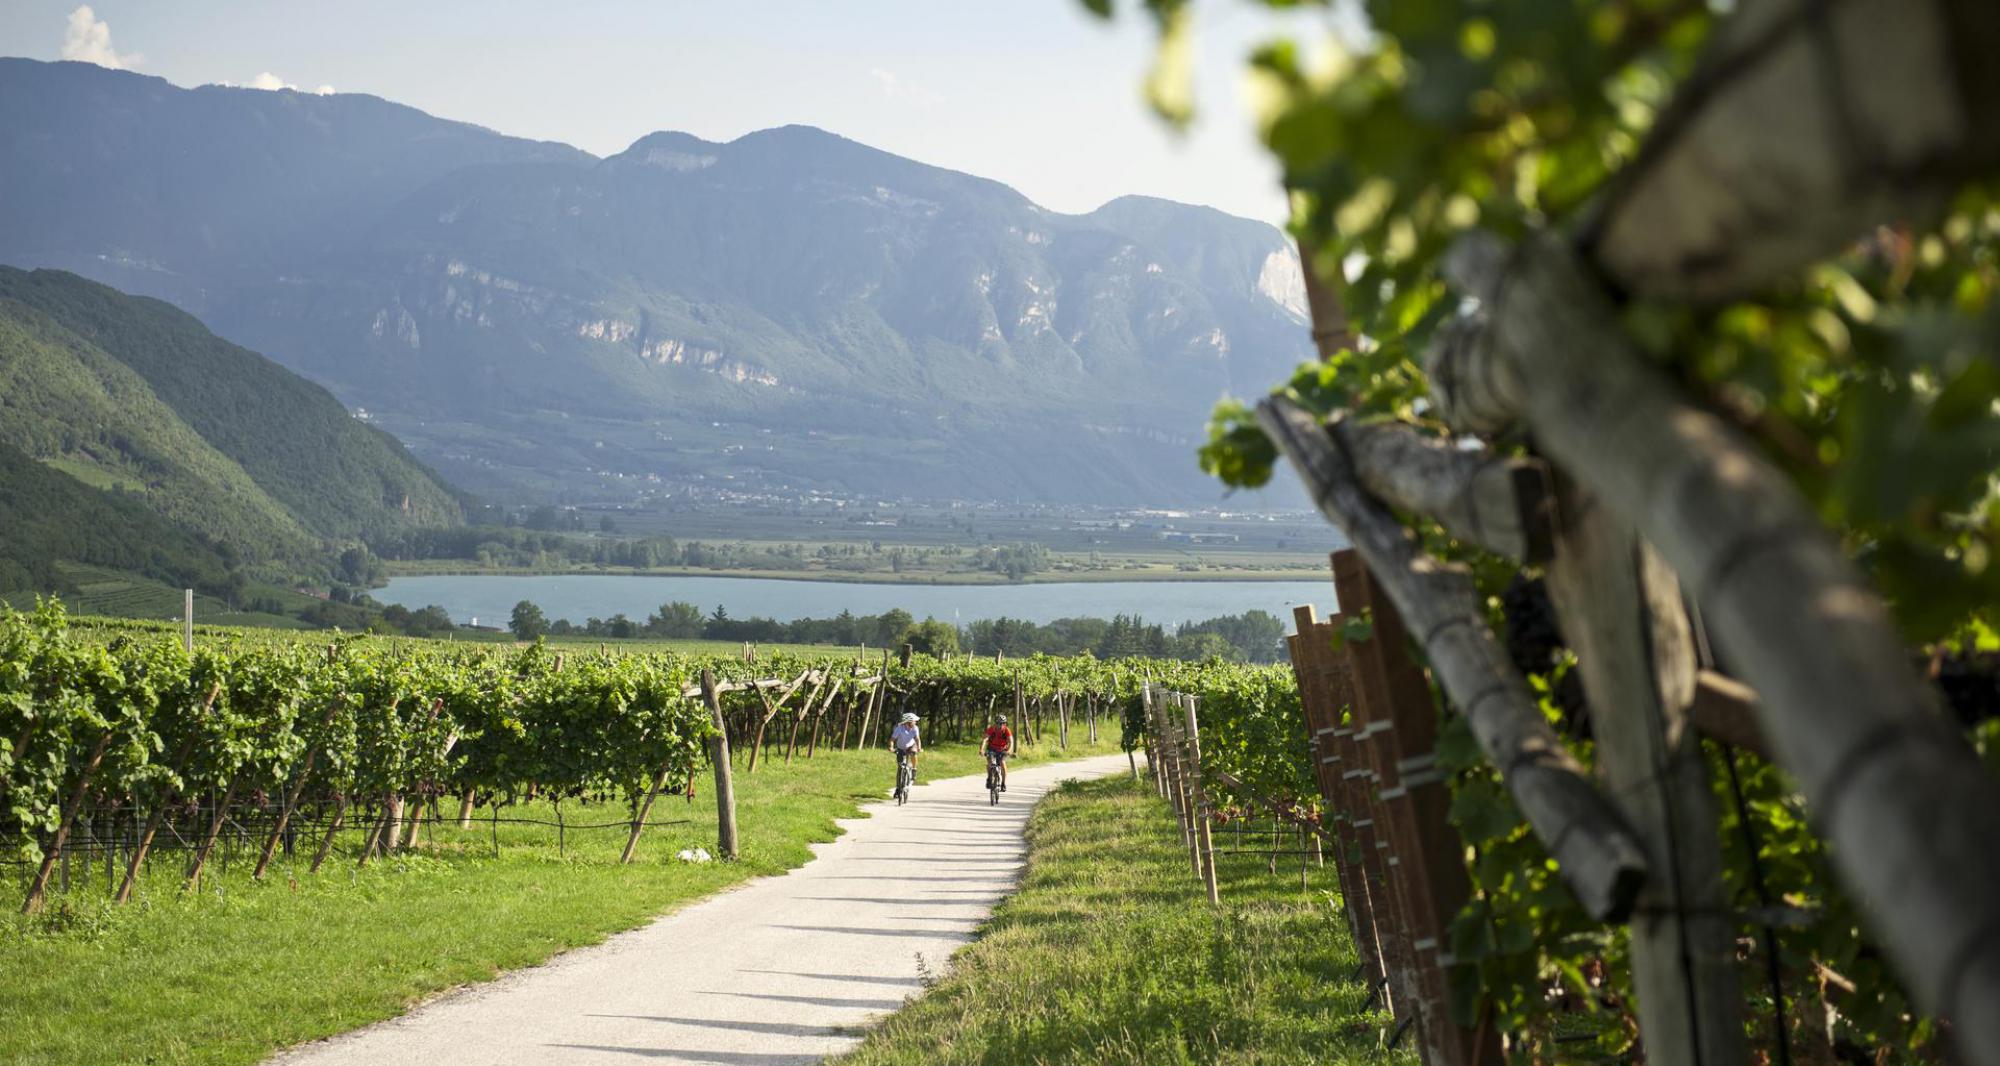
(291,804)
(39,886)
(153,821)
(1381,861)
(1621,612)
(333,827)
(1325,689)
(1322,716)
(1426,859)
(639,819)
(214,830)
(1203,840)
(725,789)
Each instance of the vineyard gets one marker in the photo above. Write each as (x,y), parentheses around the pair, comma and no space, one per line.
(122,745)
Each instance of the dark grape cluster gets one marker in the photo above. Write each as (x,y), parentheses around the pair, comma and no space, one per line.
(1970,681)
(1533,639)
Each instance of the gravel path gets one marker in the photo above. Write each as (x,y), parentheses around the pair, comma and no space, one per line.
(785,969)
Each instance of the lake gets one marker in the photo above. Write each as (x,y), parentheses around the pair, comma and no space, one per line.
(491,597)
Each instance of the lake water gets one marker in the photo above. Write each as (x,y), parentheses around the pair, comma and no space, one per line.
(491,597)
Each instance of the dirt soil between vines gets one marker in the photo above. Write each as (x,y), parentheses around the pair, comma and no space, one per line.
(785,969)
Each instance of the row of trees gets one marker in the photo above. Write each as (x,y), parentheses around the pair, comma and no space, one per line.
(538,548)
(1254,636)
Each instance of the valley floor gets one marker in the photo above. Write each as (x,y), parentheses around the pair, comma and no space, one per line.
(1277,569)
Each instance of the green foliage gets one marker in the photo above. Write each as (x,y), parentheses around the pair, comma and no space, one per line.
(339,477)
(68,399)
(46,516)
(931,637)
(420,720)
(527,621)
(1868,378)
(1251,726)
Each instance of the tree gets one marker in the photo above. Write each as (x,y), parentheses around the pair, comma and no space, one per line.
(931,637)
(889,626)
(429,621)
(678,620)
(528,622)
(357,566)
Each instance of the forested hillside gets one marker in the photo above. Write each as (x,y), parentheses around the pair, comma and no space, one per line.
(140,442)
(47,516)
(339,476)
(70,403)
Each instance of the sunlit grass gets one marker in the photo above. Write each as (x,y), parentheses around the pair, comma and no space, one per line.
(242,968)
(1111,953)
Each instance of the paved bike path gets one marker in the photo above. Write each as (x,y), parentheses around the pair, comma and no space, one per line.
(785,969)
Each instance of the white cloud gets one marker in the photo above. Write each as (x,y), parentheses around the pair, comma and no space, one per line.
(271,82)
(896,88)
(88,39)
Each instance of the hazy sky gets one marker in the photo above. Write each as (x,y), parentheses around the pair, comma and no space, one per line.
(1035,93)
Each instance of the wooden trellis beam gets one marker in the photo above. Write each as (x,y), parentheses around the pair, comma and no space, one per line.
(1599,859)
(1913,817)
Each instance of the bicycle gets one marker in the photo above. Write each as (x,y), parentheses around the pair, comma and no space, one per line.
(993,779)
(906,775)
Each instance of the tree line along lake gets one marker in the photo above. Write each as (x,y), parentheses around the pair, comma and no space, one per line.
(489,598)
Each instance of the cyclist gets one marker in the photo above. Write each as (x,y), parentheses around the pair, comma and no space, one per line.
(999,743)
(906,740)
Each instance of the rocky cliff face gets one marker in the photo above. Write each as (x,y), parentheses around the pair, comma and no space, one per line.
(787,310)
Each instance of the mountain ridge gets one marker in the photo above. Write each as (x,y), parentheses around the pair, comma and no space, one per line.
(786,312)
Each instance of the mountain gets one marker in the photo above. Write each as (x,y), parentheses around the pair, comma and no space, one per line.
(70,403)
(787,311)
(337,477)
(131,399)
(47,517)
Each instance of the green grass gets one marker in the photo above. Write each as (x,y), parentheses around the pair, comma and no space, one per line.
(108,593)
(1110,953)
(243,968)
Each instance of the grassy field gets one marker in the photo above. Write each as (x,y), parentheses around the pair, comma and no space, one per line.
(227,975)
(114,594)
(1110,953)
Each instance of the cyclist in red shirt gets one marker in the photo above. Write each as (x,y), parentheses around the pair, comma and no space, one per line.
(999,744)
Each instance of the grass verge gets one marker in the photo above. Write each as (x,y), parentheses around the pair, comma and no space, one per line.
(242,968)
(1110,953)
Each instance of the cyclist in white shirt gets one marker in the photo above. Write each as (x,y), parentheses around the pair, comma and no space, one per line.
(905,739)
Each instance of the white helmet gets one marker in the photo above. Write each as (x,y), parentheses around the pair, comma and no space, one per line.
(909,717)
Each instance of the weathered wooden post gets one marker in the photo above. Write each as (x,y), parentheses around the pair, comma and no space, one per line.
(1310,650)
(40,885)
(725,789)
(1622,614)
(1204,845)
(187,620)
(285,813)
(1426,851)
(145,841)
(214,830)
(639,820)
